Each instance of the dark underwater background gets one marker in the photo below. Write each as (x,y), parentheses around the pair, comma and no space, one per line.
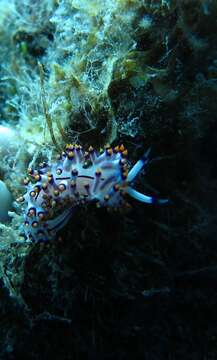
(136,284)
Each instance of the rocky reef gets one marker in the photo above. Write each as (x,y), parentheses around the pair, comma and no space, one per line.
(138,72)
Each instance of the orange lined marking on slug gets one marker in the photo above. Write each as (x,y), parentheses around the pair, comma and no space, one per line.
(121,148)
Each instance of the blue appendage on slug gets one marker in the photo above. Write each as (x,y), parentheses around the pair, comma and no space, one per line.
(132,175)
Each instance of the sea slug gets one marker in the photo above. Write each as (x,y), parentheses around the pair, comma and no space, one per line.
(77,177)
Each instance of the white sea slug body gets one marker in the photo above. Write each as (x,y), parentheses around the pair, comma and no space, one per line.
(77,177)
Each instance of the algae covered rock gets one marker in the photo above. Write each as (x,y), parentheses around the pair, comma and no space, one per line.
(92,72)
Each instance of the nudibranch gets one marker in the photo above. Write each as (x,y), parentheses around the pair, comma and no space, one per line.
(76,177)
